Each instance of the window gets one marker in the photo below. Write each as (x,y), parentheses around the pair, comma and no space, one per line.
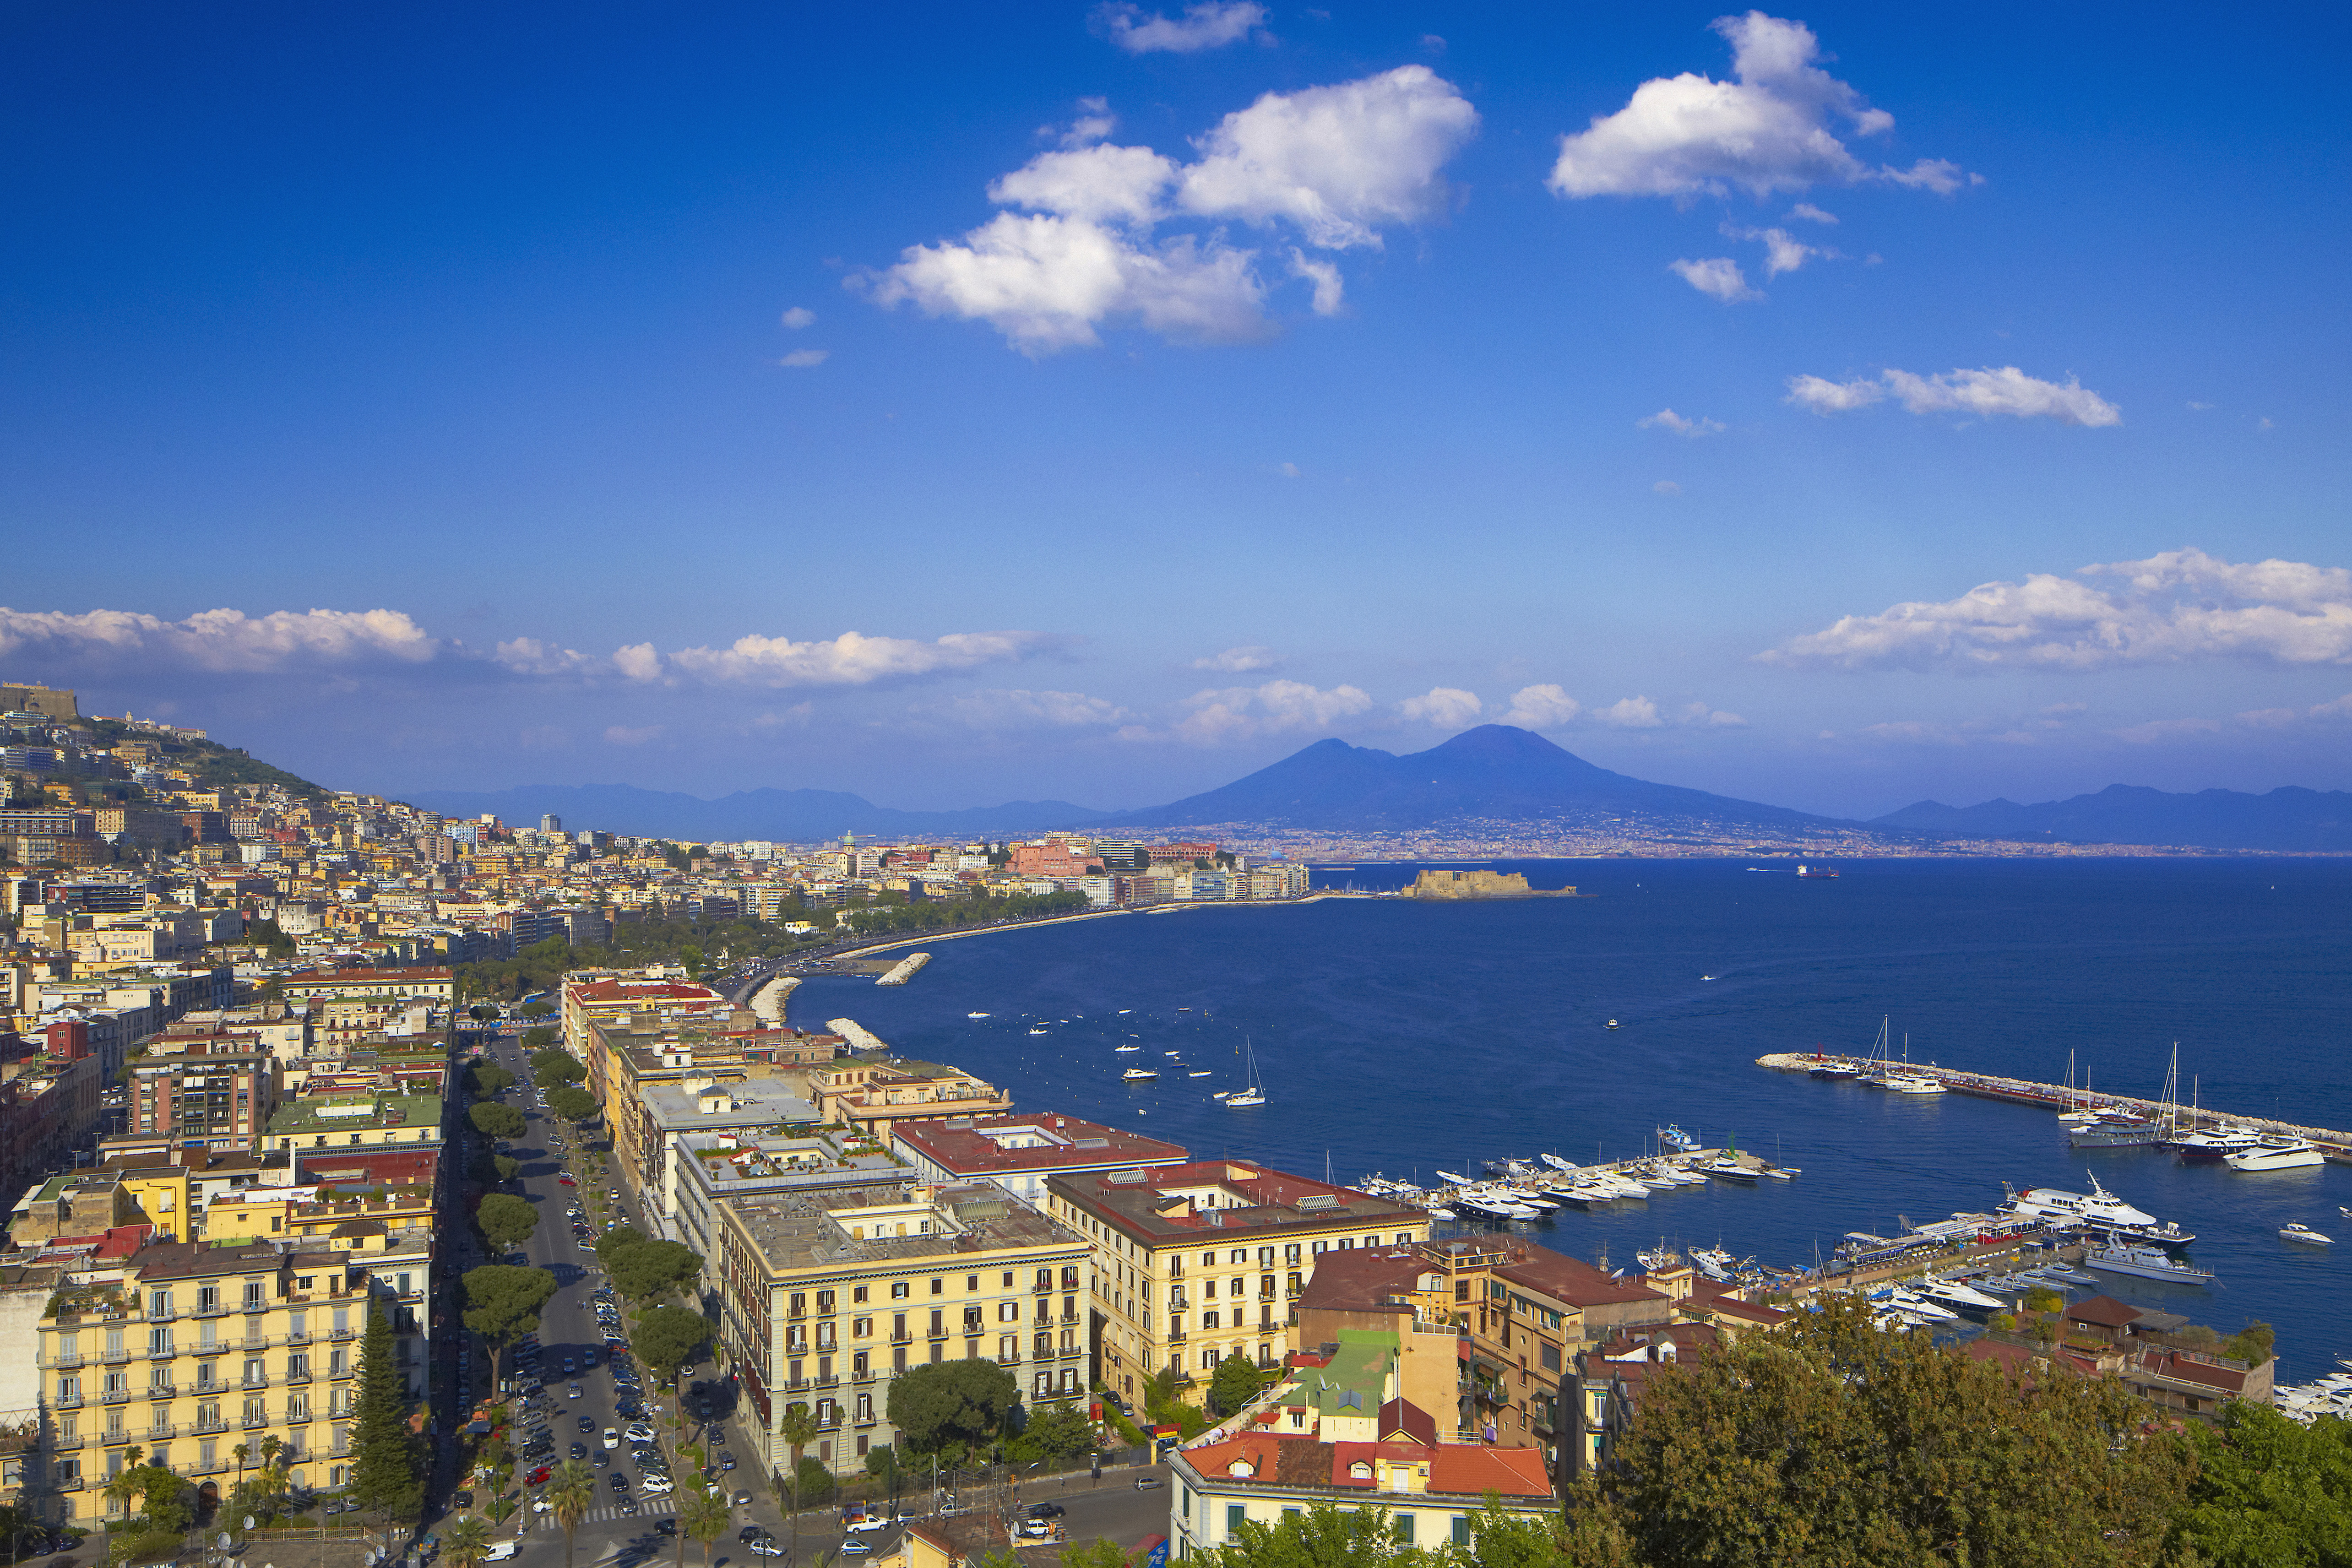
(1346,1244)
(823,1303)
(799,1305)
(1290,1253)
(1405,1529)
(971,1282)
(858,1297)
(939,1285)
(158,1304)
(159,1342)
(1235,1513)
(898,1290)
(861,1328)
(1374,1239)
(1008,1278)
(1404,1238)
(1318,1248)
(939,1323)
(1070,1279)
(1008,1311)
(1209,1259)
(1008,1347)
(1551,1358)
(1209,1321)
(972,1320)
(1461,1530)
(858,1365)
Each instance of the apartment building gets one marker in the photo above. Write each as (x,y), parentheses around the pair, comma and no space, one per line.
(875,1092)
(208,1098)
(1018,1153)
(1199,1261)
(193,1350)
(626,1066)
(828,1295)
(435,985)
(317,1124)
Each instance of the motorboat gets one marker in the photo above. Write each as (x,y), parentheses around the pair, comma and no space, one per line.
(1723,1167)
(1954,1293)
(2060,1273)
(1556,1163)
(1659,1258)
(1911,1303)
(2215,1144)
(1673,1138)
(2168,1234)
(1136,1074)
(2098,1206)
(975,1015)
(2148,1263)
(1203,1072)
(1712,1261)
(1443,1214)
(1040,1028)
(1123,1050)
(2277,1153)
(1450,1179)
(2297,1231)
(1911,1083)
(1611,1024)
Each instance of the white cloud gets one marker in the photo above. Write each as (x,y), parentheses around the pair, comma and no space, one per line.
(225,641)
(2005,390)
(1668,419)
(1338,163)
(1770,130)
(1783,252)
(1019,709)
(1666,487)
(529,657)
(1812,215)
(622,734)
(1240,660)
(1630,713)
(1212,24)
(1096,122)
(1099,184)
(850,659)
(1323,277)
(1446,708)
(1218,717)
(1541,707)
(637,662)
(1717,276)
(1937,174)
(799,317)
(1288,470)
(804,359)
(2177,607)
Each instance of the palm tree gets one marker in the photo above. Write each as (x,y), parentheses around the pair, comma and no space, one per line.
(467,1543)
(570,1490)
(704,1515)
(799,1429)
(241,1453)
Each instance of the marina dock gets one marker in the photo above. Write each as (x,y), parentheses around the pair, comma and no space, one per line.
(2054,1097)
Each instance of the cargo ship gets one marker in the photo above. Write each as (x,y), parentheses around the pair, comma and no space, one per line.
(1810,871)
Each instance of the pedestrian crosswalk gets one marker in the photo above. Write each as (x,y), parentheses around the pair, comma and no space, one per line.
(647,1507)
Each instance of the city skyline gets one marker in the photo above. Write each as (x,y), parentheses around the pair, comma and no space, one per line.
(1818,406)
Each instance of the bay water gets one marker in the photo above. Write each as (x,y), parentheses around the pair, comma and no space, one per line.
(1405,1036)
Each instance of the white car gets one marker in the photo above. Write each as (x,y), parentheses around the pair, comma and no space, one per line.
(541,1505)
(655,1486)
(871,1522)
(641,1432)
(612,1437)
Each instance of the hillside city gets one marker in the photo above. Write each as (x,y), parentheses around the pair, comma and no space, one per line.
(425,1184)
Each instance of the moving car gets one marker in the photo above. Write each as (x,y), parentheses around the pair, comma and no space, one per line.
(587,1423)
(612,1437)
(1046,1510)
(725,1460)
(765,1546)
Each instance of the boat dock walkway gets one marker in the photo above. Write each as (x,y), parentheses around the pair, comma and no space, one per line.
(2336,1146)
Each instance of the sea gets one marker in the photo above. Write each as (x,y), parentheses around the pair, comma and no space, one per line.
(1402,1038)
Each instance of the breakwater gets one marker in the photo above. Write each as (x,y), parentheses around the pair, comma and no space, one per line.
(899,973)
(2337,1145)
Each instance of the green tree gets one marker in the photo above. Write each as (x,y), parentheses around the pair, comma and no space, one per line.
(539,1038)
(493,1120)
(1055,1432)
(651,1270)
(388,1460)
(667,1339)
(2250,1344)
(816,1484)
(502,1304)
(1233,1384)
(505,1168)
(571,1102)
(488,1078)
(950,1402)
(571,1492)
(1830,1442)
(703,1514)
(1322,1536)
(555,1066)
(467,1542)
(536,1011)
(2270,1492)
(506,1219)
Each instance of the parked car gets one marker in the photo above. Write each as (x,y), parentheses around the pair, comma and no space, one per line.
(763,1546)
(536,1475)
(725,1460)
(749,1533)
(1046,1510)
(612,1437)
(579,1450)
(855,1547)
(587,1423)
(640,1432)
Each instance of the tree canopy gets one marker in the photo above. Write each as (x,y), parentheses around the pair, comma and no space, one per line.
(667,1338)
(493,1120)
(1233,1384)
(503,1303)
(557,1066)
(489,1078)
(950,1402)
(571,1102)
(2269,1491)
(388,1462)
(506,1220)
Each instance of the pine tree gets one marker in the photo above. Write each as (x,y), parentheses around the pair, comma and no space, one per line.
(387,1461)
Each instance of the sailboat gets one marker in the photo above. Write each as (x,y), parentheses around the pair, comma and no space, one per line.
(2122,1128)
(1254,1093)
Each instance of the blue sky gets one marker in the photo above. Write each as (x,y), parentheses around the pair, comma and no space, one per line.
(1099,403)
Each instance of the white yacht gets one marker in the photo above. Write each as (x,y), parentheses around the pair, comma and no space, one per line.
(2275,1154)
(1135,1075)
(1912,1083)
(1953,1293)
(2298,1231)
(2148,1263)
(2098,1205)
(1253,1091)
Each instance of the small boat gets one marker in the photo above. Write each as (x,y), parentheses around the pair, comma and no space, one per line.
(1779,1173)
(1611,1024)
(2298,1231)
(1134,1074)
(1220,1093)
(1442,1214)
(1124,1011)
(1203,1072)
(1556,1163)
(1040,1029)
(2277,1153)
(1253,1091)
(1448,1177)
(2149,1263)
(2066,1276)
(1673,1138)
(1912,1083)
(1723,1167)
(975,1015)
(1115,1049)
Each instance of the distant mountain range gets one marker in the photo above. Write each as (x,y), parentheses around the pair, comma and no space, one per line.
(1493,771)
(2287,820)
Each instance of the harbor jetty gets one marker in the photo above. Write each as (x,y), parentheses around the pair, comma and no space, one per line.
(859,1037)
(768,1001)
(899,973)
(2336,1146)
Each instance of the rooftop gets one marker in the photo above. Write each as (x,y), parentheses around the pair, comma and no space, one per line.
(1223,1197)
(1002,1145)
(334,1115)
(885,1222)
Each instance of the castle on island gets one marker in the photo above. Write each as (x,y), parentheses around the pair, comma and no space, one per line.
(1477,884)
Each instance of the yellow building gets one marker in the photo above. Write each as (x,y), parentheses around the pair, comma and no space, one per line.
(1197,1262)
(195,1350)
(826,1295)
(304,1125)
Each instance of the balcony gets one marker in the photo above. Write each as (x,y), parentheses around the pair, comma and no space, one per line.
(114,1357)
(340,1333)
(60,1362)
(66,1402)
(254,1423)
(296,1338)
(213,1468)
(294,1376)
(166,1430)
(68,1483)
(169,1314)
(866,1376)
(116,1397)
(252,1382)
(1043,1288)
(902,1337)
(66,1443)
(341,1373)
(212,1310)
(204,1427)
(163,1352)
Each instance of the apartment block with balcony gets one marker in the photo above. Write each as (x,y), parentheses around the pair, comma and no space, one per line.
(210,1101)
(1200,1261)
(195,1349)
(828,1295)
(875,1092)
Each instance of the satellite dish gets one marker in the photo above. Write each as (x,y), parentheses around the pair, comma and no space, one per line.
(223,1541)
(248,1521)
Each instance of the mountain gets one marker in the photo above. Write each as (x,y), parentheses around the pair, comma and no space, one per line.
(1494,770)
(796,816)
(2286,820)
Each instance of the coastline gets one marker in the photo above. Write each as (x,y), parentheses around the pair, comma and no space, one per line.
(893,947)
